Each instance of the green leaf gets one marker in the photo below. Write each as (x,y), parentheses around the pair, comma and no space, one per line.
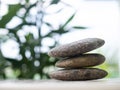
(27,1)
(29,36)
(48,24)
(3,61)
(15,63)
(31,40)
(55,1)
(79,27)
(11,13)
(68,21)
(1,57)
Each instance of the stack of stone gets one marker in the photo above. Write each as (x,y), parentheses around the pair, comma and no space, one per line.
(76,63)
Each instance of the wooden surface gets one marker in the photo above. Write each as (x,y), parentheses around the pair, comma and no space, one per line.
(103,84)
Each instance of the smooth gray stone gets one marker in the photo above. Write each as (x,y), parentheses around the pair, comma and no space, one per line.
(78,74)
(76,48)
(84,60)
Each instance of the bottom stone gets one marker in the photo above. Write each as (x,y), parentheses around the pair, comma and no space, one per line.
(78,74)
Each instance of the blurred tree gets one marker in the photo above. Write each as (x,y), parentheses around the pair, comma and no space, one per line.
(32,59)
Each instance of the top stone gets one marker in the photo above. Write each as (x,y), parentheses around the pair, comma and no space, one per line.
(76,48)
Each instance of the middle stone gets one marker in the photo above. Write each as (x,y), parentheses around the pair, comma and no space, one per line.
(84,60)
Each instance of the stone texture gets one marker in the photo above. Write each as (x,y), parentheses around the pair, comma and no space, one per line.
(76,48)
(84,60)
(79,74)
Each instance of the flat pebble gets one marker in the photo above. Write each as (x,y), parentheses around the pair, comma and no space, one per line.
(76,48)
(78,74)
(84,60)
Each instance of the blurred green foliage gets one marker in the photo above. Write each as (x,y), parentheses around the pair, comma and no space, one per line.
(27,66)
